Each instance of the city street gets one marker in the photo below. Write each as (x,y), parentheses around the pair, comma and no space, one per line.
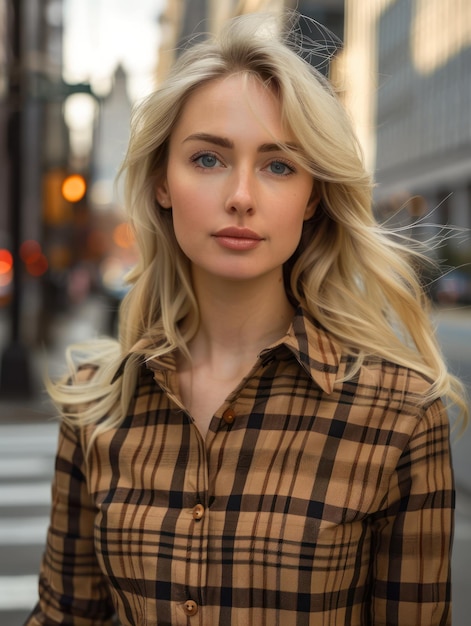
(26,467)
(27,445)
(454,331)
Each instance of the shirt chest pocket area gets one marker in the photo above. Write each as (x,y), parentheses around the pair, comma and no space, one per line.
(311,478)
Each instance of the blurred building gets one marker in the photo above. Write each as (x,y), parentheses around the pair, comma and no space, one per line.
(3,121)
(111,137)
(37,227)
(408,66)
(46,218)
(3,138)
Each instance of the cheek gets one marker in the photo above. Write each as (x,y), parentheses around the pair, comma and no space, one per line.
(185,235)
(290,224)
(189,211)
(291,215)
(188,198)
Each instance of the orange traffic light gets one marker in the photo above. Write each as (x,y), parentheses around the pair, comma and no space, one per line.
(74,188)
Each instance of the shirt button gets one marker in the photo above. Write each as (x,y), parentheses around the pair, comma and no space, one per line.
(198,512)
(229,416)
(190,607)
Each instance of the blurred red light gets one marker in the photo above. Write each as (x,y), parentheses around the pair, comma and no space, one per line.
(30,251)
(38,266)
(6,261)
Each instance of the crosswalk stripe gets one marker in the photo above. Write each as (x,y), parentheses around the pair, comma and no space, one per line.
(24,431)
(26,467)
(29,531)
(34,437)
(28,494)
(12,448)
(18,593)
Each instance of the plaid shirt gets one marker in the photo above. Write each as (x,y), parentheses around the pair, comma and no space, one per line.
(311,502)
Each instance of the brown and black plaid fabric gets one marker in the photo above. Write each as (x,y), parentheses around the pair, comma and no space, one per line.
(311,502)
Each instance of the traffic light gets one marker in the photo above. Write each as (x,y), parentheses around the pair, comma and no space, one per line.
(74,188)
(61,191)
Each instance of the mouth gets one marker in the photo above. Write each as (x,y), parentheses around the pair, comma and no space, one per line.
(235,238)
(238,233)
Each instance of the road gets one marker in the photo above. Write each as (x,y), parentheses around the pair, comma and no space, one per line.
(26,468)
(454,332)
(27,446)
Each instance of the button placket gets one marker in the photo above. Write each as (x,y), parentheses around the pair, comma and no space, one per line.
(196,522)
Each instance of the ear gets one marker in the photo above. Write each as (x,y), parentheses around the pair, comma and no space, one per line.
(312,204)
(162,194)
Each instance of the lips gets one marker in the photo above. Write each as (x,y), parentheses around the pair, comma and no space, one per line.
(238,233)
(237,239)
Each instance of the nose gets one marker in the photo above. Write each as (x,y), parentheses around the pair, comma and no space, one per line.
(240,196)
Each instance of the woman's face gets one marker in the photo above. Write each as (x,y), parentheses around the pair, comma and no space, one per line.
(238,202)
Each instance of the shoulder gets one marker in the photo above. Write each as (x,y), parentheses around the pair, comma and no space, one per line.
(397,395)
(387,406)
(394,379)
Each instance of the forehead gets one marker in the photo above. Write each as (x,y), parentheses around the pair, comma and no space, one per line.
(231,104)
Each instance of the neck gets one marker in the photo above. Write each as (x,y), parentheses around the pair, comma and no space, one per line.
(238,319)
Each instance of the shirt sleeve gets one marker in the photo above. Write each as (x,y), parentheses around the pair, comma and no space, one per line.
(412,542)
(72,589)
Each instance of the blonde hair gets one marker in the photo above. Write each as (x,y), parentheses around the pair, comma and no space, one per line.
(348,272)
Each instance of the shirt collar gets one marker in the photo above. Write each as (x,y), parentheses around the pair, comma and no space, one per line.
(314,349)
(312,346)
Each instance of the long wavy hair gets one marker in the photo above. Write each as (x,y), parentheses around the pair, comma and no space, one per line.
(356,280)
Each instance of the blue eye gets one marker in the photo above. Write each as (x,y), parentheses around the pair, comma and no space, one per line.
(206,160)
(280,168)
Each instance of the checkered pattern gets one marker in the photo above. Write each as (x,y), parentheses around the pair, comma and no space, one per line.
(317,503)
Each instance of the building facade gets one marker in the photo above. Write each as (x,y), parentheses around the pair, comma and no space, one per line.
(3,122)
(31,54)
(408,66)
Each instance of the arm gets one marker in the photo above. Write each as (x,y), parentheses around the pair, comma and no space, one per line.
(413,536)
(72,589)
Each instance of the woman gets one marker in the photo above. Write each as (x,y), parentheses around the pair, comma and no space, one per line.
(266,443)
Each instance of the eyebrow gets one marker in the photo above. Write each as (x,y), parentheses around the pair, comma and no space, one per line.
(224,142)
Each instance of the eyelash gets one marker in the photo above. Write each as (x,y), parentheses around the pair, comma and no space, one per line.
(290,166)
(194,159)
